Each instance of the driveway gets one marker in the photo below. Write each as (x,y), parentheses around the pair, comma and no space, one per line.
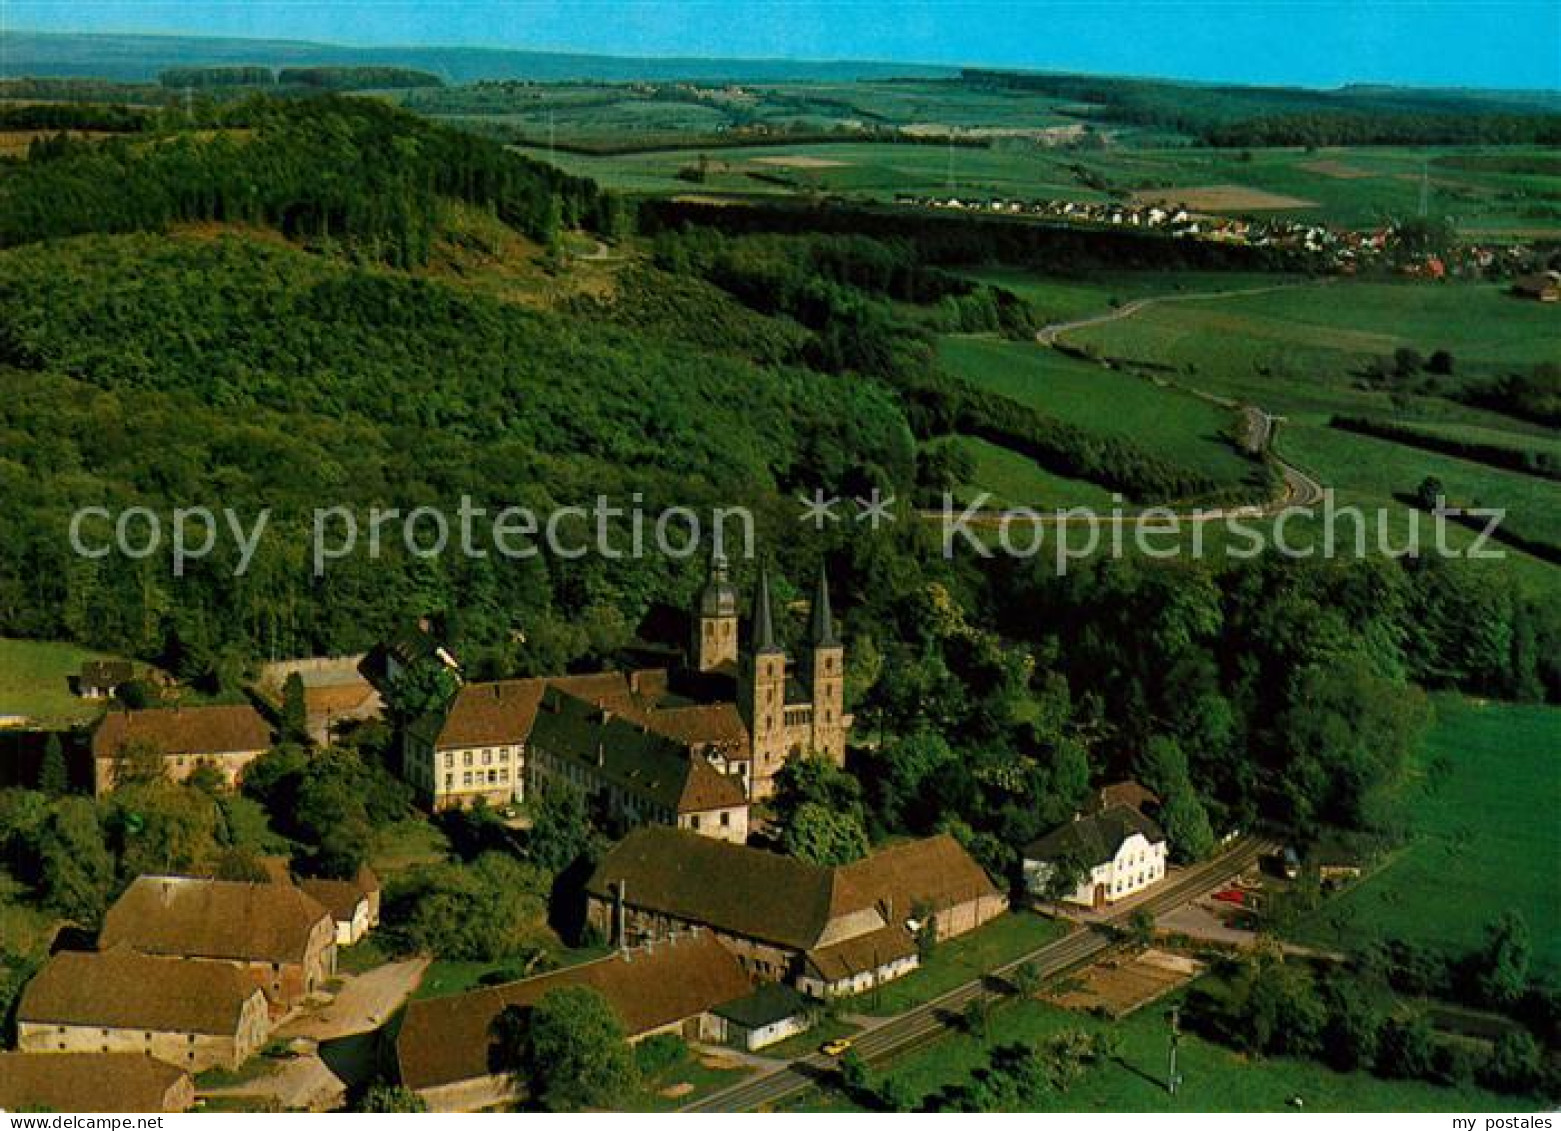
(363,1003)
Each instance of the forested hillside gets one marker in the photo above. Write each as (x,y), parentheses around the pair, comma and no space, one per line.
(227,365)
(352,170)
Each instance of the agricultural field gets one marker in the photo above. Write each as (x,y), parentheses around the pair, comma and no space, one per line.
(1013,479)
(1183,429)
(1350,188)
(35,682)
(1213,1078)
(1483,841)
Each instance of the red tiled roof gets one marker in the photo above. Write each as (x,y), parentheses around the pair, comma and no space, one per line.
(120,989)
(89,1082)
(198,918)
(781,900)
(443,1040)
(177,731)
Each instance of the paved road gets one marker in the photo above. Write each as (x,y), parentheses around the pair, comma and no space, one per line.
(1048,335)
(926,1022)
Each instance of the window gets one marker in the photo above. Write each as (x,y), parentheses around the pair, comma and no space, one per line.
(726,820)
(449,759)
(466,778)
(693,822)
(466,759)
(449,781)
(487,757)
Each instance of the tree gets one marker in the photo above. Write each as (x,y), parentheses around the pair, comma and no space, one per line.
(1515,1062)
(427,686)
(1430,494)
(1025,978)
(390,1099)
(1440,363)
(295,711)
(75,868)
(1186,824)
(138,762)
(822,836)
(1063,877)
(570,1051)
(1407,362)
(53,775)
(560,831)
(853,1072)
(1502,965)
(1407,1049)
(1140,928)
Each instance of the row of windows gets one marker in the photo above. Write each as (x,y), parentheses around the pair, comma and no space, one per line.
(469,757)
(470,778)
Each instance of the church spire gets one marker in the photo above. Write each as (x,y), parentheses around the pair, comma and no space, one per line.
(821,629)
(763,623)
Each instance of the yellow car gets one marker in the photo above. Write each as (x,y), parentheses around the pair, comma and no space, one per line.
(836,1047)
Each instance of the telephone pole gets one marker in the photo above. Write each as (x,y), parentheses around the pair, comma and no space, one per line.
(1173,1079)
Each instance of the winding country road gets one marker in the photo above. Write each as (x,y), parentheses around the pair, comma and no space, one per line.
(925,1023)
(1048,335)
(1300,488)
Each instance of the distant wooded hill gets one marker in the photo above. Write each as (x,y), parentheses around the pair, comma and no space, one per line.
(141,58)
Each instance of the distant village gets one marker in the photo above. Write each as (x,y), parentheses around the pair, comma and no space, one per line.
(1340,250)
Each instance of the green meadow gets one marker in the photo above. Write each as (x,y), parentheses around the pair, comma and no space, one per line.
(1483,840)
(35,681)
(1213,1078)
(1175,425)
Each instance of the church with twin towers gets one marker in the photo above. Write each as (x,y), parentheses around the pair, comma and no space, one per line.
(790,709)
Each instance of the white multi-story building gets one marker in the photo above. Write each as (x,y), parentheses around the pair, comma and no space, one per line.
(1115,853)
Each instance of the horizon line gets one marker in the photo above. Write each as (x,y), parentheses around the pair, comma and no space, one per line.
(798,59)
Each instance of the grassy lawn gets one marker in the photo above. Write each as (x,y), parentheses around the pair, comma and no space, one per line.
(1383,469)
(686,1083)
(804,1044)
(1015,480)
(1214,1078)
(446,976)
(1299,349)
(1484,838)
(1174,425)
(406,843)
(957,961)
(35,682)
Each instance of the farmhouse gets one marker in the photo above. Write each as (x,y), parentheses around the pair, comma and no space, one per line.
(447,1052)
(189,1013)
(829,931)
(100,679)
(1117,852)
(92,1082)
(283,940)
(226,738)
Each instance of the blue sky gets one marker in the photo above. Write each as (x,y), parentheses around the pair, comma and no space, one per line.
(1501,43)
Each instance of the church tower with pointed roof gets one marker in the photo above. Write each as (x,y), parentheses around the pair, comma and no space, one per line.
(825,673)
(762,695)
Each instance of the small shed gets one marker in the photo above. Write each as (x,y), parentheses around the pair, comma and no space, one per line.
(771,1013)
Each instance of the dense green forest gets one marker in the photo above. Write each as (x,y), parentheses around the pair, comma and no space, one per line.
(730,366)
(352,170)
(1243,116)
